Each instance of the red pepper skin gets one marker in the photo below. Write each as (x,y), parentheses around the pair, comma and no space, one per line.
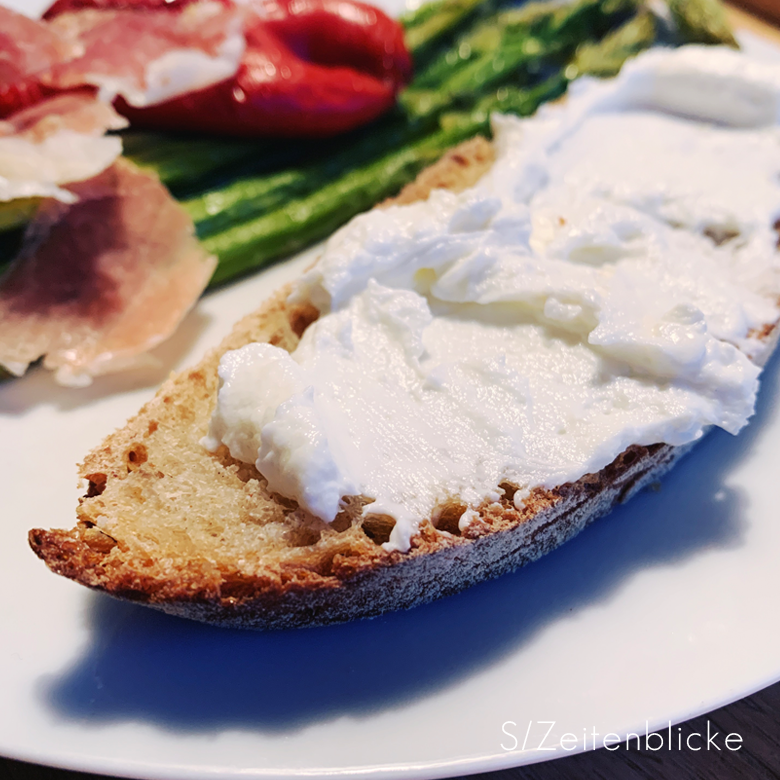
(334,32)
(312,68)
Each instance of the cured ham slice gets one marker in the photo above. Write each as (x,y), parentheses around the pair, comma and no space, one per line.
(149,56)
(101,281)
(57,141)
(27,48)
(144,52)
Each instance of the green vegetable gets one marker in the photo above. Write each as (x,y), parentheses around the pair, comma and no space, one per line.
(702,21)
(476,77)
(547,26)
(16,213)
(252,245)
(606,57)
(586,20)
(218,209)
(524,102)
(186,164)
(434,21)
(243,199)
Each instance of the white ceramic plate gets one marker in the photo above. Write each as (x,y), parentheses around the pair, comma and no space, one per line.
(664,610)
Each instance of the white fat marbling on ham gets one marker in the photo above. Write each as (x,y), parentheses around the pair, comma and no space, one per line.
(57,141)
(151,56)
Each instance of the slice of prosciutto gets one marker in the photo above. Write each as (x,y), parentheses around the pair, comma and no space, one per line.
(101,281)
(27,48)
(149,55)
(59,140)
(47,137)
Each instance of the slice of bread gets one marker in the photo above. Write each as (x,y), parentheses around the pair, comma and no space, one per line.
(168,524)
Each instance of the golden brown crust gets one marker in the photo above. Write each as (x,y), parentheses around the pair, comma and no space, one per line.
(438,564)
(170,525)
(459,168)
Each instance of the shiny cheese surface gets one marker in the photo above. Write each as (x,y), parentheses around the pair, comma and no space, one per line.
(603,285)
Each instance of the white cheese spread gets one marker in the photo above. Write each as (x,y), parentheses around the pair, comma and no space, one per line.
(600,287)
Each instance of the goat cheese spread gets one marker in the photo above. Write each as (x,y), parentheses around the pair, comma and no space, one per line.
(603,285)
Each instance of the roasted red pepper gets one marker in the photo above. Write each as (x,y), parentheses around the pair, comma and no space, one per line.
(311,68)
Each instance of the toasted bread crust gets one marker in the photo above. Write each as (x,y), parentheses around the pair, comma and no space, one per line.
(437,565)
(168,524)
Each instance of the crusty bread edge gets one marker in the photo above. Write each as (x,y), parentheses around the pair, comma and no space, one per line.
(418,579)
